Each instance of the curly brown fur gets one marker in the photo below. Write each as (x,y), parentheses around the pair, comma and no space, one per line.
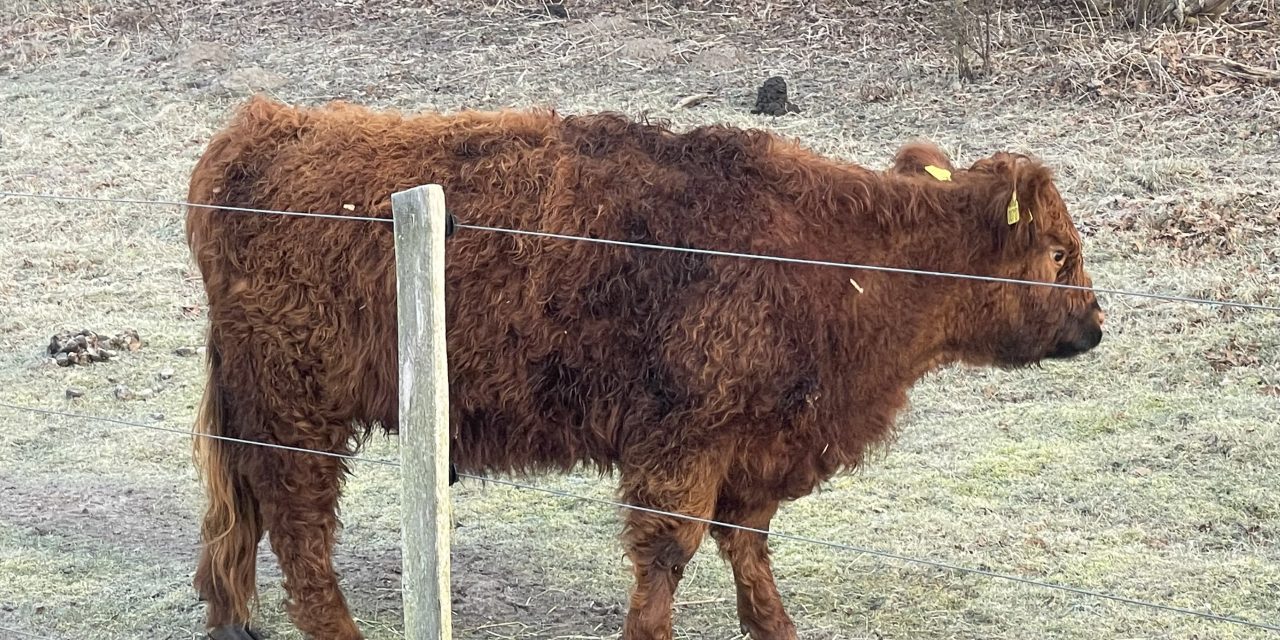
(717,387)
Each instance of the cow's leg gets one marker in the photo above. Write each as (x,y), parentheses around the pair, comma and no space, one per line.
(299,495)
(760,609)
(659,546)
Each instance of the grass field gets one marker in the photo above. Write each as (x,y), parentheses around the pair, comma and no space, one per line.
(1149,469)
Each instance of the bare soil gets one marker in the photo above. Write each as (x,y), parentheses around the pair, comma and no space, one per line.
(1147,469)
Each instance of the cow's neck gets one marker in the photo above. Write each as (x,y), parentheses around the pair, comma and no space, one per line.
(893,328)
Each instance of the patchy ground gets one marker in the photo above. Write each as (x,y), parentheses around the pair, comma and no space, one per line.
(1146,470)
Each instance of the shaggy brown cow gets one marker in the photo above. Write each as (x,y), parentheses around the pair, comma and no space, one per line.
(715,386)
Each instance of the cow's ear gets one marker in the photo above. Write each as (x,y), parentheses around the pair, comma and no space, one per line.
(921,157)
(1017,192)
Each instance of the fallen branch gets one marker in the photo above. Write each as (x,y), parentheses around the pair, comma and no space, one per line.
(1235,69)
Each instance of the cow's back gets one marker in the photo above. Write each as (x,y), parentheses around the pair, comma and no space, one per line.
(560,351)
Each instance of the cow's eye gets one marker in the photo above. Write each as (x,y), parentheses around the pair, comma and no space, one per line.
(1059,257)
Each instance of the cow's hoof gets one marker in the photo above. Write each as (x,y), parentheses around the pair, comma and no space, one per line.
(233,632)
(781,631)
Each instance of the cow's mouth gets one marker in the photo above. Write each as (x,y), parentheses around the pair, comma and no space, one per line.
(1085,341)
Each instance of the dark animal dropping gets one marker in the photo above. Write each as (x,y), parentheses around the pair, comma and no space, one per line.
(557,9)
(771,98)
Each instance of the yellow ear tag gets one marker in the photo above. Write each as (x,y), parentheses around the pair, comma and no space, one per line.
(939,173)
(1014,213)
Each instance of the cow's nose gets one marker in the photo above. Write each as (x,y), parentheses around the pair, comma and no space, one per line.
(1099,315)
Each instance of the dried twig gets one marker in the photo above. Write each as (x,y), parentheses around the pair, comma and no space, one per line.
(1232,68)
(693,100)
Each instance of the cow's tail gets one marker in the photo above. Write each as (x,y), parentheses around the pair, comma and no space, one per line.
(232,526)
(225,577)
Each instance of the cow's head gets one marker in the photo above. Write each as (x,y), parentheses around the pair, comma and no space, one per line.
(1017,227)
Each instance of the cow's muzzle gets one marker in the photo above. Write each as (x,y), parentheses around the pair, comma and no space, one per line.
(1084,334)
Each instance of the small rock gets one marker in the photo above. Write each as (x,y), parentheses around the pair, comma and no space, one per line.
(75,392)
(146,394)
(158,417)
(184,352)
(63,360)
(112,379)
(166,373)
(1142,472)
(123,393)
(128,340)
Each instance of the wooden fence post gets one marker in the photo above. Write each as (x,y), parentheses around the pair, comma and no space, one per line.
(419,216)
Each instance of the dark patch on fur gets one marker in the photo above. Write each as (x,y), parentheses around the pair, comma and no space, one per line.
(635,229)
(467,148)
(553,308)
(625,293)
(670,555)
(666,393)
(559,389)
(795,399)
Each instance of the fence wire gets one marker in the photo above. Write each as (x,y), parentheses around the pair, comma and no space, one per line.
(773,534)
(152,427)
(180,203)
(647,246)
(844,265)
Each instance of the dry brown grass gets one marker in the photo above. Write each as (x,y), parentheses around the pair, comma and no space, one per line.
(1147,470)
(1223,62)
